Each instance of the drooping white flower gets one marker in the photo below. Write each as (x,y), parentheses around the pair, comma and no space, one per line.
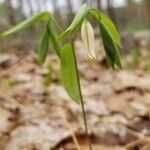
(87,35)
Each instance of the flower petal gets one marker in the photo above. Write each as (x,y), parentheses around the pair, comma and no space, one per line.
(87,34)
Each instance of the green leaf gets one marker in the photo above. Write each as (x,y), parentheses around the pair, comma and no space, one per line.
(83,11)
(56,45)
(43,46)
(27,23)
(112,29)
(111,49)
(108,24)
(69,73)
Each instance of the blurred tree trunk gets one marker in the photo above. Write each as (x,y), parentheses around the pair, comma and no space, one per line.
(21,9)
(57,12)
(70,14)
(129,2)
(130,8)
(147,12)
(30,7)
(39,5)
(55,6)
(10,12)
(20,4)
(70,6)
(111,11)
(56,9)
(84,1)
(99,4)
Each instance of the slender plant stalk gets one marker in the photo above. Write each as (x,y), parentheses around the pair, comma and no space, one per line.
(82,105)
(81,97)
(85,124)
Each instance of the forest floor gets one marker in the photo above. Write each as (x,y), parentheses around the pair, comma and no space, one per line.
(36,117)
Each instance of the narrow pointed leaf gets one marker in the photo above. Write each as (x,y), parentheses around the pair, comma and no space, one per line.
(112,29)
(83,11)
(27,23)
(109,24)
(56,45)
(43,46)
(111,49)
(69,73)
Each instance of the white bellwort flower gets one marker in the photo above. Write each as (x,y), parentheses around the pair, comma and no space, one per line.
(87,35)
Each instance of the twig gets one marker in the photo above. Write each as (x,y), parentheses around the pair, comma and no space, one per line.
(11,99)
(134,143)
(74,138)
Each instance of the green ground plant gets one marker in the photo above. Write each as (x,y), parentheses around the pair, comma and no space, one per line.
(63,46)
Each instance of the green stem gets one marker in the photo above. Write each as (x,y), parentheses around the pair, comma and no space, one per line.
(86,126)
(82,105)
(81,97)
